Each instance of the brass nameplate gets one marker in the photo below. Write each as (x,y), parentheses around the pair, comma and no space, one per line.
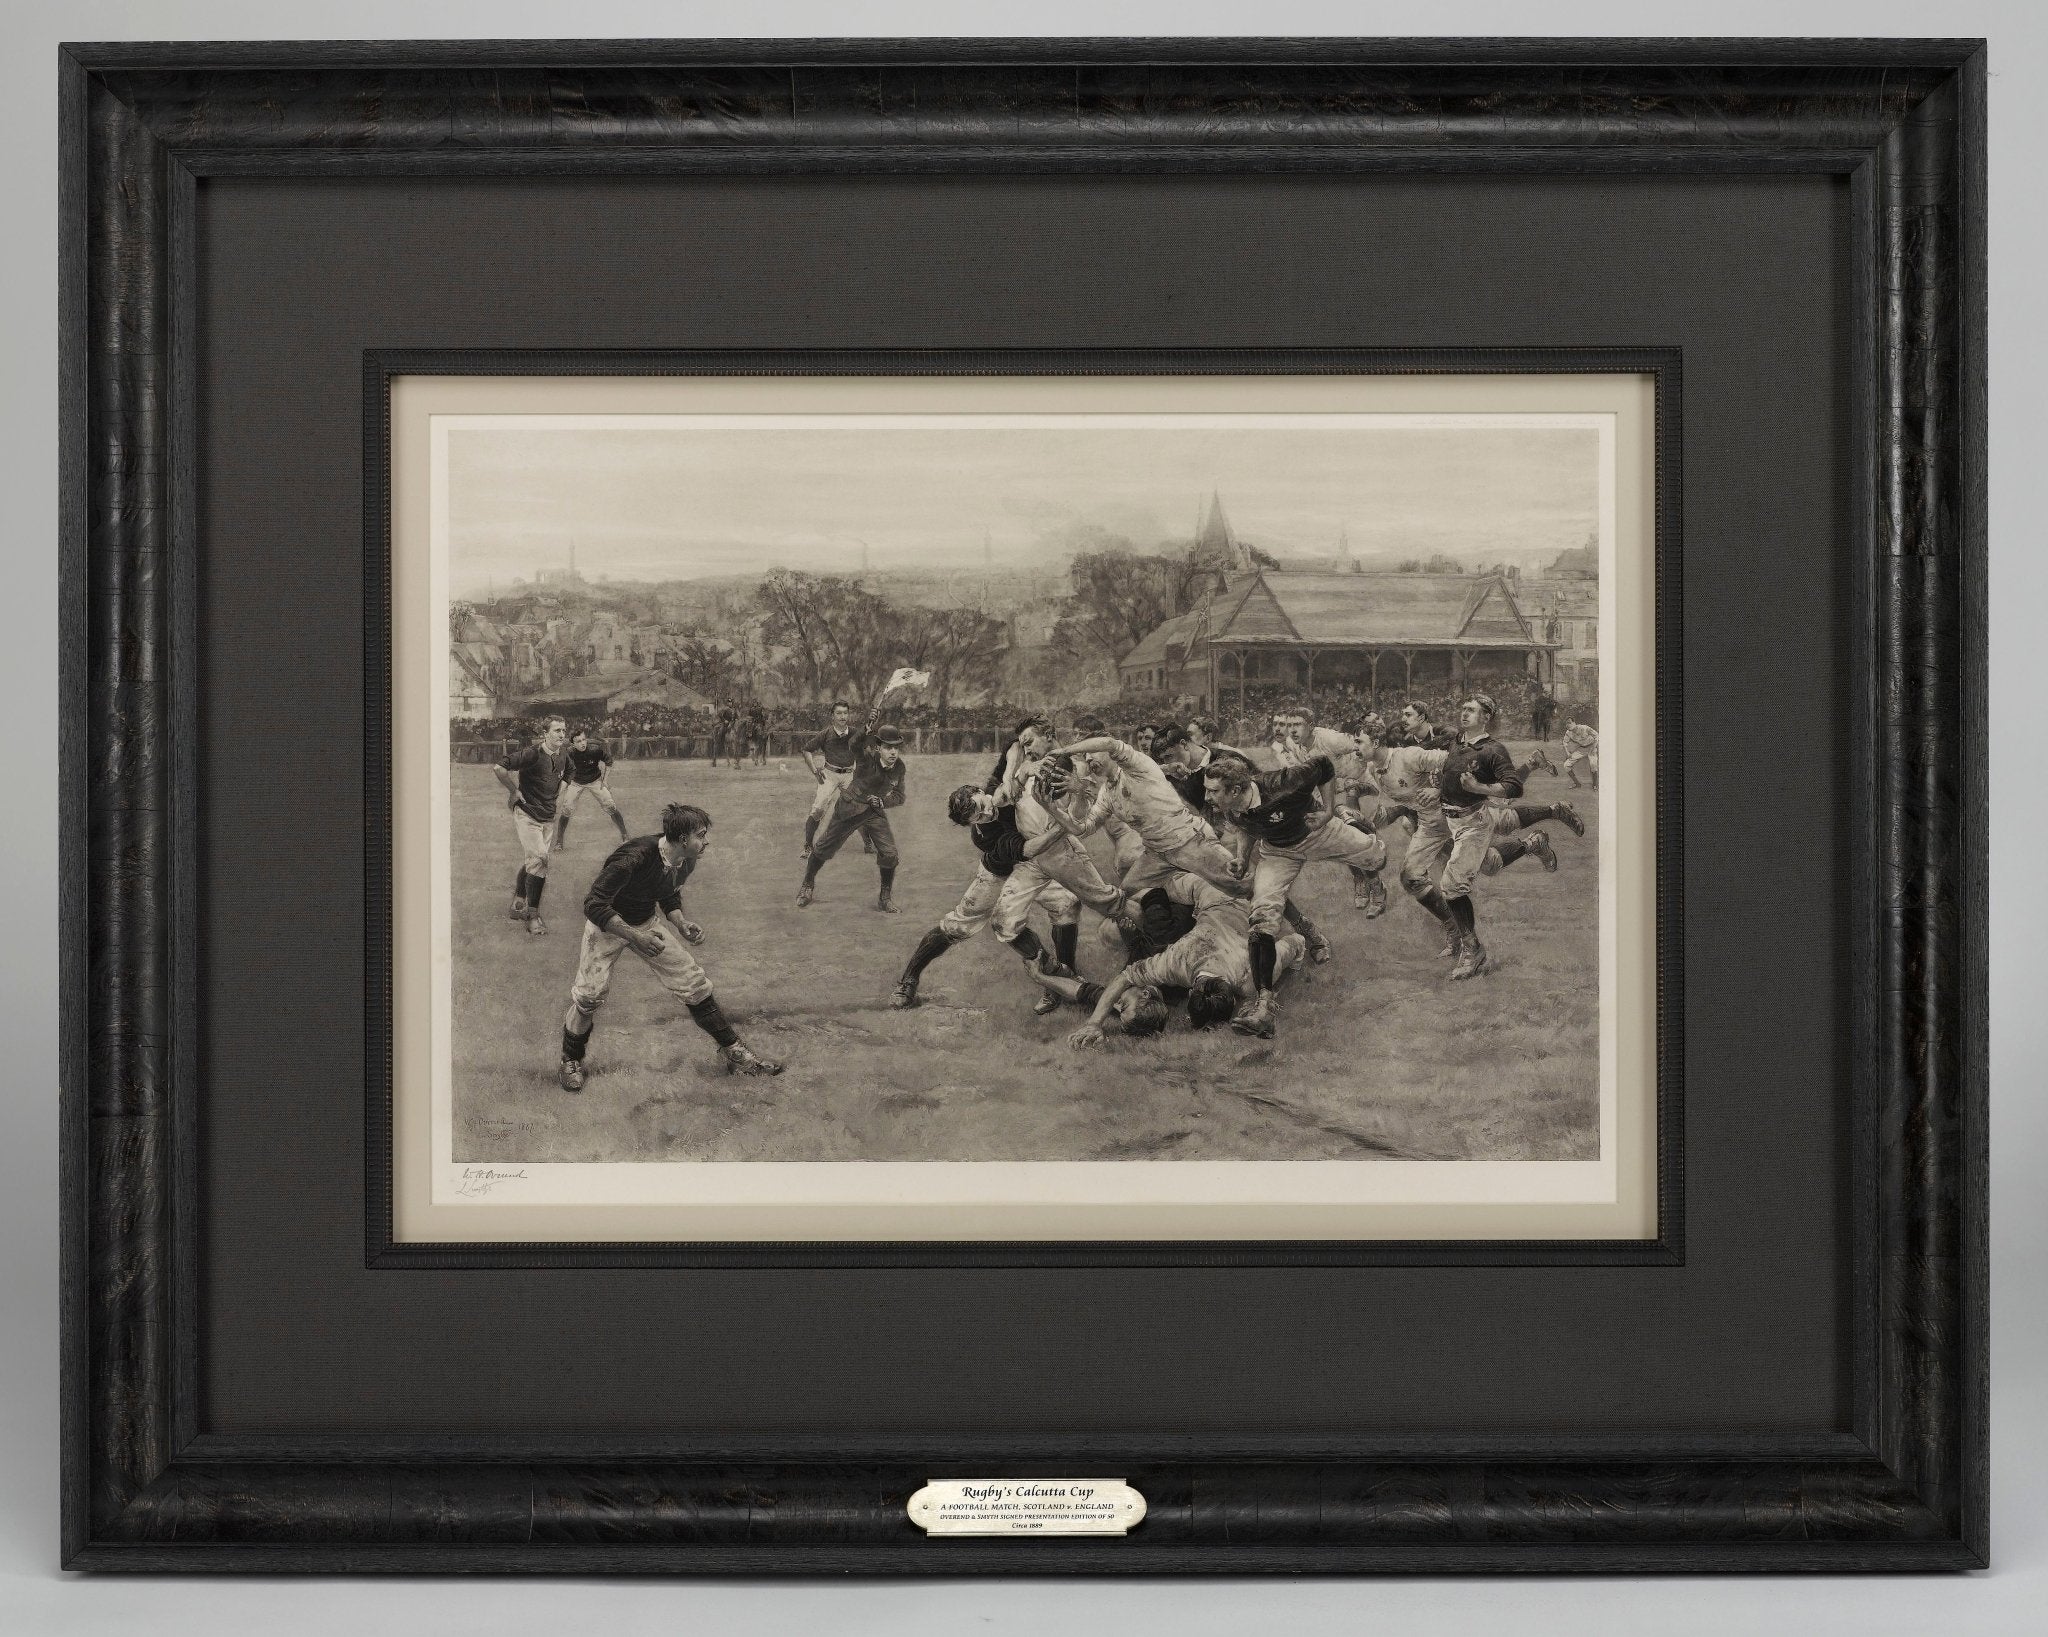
(1026,1506)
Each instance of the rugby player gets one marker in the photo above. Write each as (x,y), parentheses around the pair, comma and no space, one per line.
(1453,836)
(1284,814)
(532,778)
(1206,966)
(835,750)
(639,879)
(589,763)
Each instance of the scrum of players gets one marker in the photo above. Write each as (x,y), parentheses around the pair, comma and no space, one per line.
(1209,842)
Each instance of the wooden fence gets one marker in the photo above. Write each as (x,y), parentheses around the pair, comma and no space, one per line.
(782,744)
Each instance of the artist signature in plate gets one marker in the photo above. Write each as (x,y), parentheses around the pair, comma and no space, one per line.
(478,1180)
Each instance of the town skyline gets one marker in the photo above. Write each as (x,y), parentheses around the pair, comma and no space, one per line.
(714,504)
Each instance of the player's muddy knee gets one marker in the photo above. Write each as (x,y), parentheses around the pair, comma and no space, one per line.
(1271,922)
(586,1005)
(537,864)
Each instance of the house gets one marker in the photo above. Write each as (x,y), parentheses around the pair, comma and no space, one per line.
(1566,612)
(600,693)
(1431,632)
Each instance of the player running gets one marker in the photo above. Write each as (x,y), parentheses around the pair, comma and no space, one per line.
(1453,836)
(533,781)
(1284,814)
(1296,739)
(589,763)
(829,757)
(619,912)
(1208,966)
(1581,749)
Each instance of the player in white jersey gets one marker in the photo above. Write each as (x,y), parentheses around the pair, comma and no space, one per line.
(1136,791)
(1581,749)
(1208,966)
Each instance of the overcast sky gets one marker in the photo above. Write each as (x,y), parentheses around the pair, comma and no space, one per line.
(683,502)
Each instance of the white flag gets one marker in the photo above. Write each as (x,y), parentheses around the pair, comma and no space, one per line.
(905,677)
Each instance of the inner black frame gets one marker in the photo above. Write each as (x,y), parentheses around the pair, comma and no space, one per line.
(1666,1247)
(1903,121)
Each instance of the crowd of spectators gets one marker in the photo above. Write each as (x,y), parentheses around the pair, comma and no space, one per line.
(664,730)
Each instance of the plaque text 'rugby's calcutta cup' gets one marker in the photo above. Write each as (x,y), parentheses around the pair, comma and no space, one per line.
(1026,1506)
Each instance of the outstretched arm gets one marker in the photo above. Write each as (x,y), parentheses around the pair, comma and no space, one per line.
(1090,1033)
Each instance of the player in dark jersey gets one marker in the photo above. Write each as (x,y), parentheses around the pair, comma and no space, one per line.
(589,762)
(1449,848)
(876,786)
(1417,729)
(830,757)
(641,878)
(992,827)
(533,782)
(1284,813)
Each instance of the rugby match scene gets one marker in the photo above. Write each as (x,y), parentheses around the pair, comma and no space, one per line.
(1070,793)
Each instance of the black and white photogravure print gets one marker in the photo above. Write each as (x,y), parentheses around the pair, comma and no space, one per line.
(904,788)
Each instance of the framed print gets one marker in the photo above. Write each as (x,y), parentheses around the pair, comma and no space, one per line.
(1210,1133)
(1111,807)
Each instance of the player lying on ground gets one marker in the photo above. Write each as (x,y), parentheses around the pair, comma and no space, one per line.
(644,877)
(875,786)
(1454,834)
(589,762)
(1207,967)
(1284,814)
(533,779)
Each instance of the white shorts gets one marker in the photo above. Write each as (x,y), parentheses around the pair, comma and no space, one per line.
(1278,868)
(536,840)
(573,794)
(977,906)
(1028,884)
(675,966)
(829,787)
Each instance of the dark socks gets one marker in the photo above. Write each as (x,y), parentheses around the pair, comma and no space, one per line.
(888,878)
(519,886)
(1460,909)
(810,831)
(712,1021)
(1263,959)
(535,885)
(929,948)
(1066,944)
(811,870)
(573,1045)
(1027,945)
(561,829)
(1296,919)
(1433,901)
(620,820)
(1510,850)
(1533,812)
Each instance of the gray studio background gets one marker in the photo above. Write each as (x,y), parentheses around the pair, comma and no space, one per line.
(34,1598)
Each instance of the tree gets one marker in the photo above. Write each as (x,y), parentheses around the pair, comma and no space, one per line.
(837,628)
(1117,598)
(963,648)
(704,663)
(1436,563)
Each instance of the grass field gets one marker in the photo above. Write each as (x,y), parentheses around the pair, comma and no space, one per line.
(1379,1055)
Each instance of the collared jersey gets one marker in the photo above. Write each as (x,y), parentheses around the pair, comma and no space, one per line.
(586,766)
(1488,761)
(1148,801)
(999,841)
(635,882)
(540,780)
(839,749)
(1289,804)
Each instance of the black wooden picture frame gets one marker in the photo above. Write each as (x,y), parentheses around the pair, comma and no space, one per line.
(146,1489)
